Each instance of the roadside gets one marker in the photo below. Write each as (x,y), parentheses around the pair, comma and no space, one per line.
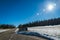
(6,35)
(3,30)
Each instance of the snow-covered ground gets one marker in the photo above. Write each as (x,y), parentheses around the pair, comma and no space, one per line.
(16,29)
(53,31)
(3,30)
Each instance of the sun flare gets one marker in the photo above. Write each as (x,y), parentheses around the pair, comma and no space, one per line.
(51,7)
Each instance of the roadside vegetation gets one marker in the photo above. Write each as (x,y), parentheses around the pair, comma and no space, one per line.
(55,21)
(6,26)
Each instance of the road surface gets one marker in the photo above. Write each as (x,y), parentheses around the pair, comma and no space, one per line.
(11,35)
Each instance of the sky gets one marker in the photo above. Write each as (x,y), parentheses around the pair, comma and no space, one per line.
(24,11)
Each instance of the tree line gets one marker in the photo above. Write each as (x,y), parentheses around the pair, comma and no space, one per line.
(5,26)
(55,21)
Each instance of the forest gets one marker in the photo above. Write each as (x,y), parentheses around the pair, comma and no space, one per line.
(6,26)
(55,21)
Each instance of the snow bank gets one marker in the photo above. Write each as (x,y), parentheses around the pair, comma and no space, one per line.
(53,31)
(4,30)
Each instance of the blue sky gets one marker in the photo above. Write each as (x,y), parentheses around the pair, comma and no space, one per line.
(23,11)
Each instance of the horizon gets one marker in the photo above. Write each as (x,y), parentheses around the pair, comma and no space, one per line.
(34,22)
(17,12)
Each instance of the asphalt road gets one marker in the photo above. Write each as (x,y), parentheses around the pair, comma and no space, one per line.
(11,35)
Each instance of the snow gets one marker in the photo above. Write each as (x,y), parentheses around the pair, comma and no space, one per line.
(52,31)
(16,30)
(3,30)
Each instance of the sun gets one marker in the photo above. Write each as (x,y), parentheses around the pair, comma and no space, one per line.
(51,7)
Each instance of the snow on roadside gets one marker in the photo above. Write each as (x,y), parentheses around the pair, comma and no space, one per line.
(3,30)
(52,31)
(16,30)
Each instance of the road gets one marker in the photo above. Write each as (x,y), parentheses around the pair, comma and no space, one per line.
(11,35)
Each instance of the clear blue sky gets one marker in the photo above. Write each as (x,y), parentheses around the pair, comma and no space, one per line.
(23,11)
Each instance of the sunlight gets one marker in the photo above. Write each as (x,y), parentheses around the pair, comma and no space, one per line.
(50,7)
